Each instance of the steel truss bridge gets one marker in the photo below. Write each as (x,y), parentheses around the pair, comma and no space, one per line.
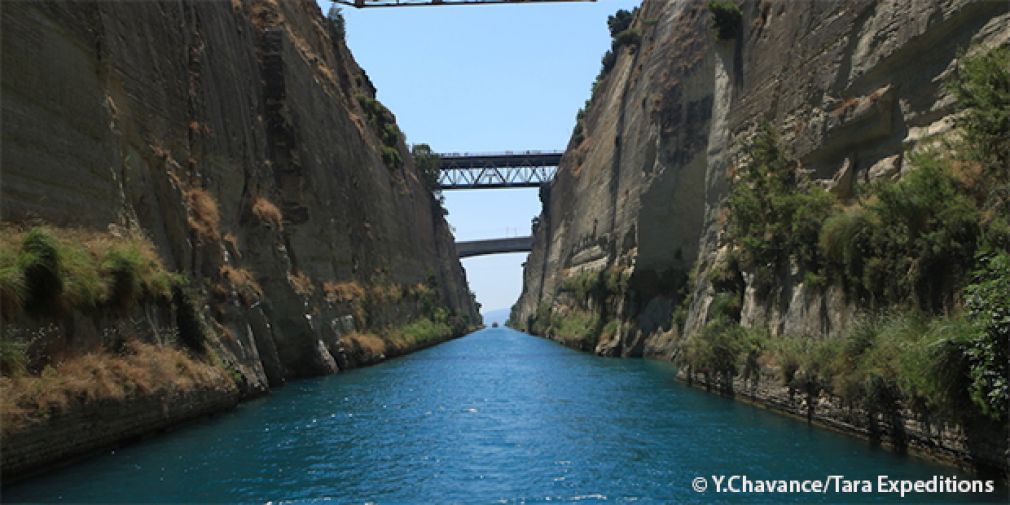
(420,3)
(528,169)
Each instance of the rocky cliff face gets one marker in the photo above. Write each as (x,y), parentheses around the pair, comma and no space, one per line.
(242,140)
(635,225)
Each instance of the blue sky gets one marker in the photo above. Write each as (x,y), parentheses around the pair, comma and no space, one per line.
(485,78)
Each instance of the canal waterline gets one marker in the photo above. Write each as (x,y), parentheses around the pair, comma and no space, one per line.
(496,416)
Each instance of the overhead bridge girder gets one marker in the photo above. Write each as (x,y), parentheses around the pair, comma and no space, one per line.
(420,3)
(528,169)
(494,246)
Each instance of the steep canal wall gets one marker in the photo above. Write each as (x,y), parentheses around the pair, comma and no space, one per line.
(200,201)
(744,194)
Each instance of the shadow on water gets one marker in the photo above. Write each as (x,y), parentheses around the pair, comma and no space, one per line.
(497,415)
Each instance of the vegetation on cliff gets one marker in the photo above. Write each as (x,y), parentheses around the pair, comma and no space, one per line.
(583,323)
(621,35)
(384,125)
(48,271)
(368,346)
(139,369)
(51,274)
(927,255)
(726,18)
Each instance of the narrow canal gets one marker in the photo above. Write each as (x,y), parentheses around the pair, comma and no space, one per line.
(496,416)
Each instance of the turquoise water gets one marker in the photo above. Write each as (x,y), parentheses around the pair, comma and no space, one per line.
(496,416)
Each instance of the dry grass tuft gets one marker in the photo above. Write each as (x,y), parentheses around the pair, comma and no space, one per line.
(205,218)
(387,293)
(268,213)
(350,293)
(367,343)
(143,370)
(301,283)
(343,292)
(244,282)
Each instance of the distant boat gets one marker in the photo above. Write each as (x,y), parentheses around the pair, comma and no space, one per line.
(494,324)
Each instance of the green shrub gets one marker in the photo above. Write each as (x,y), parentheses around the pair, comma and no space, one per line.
(391,157)
(982,88)
(713,351)
(428,164)
(541,321)
(883,363)
(578,132)
(773,213)
(988,351)
(427,330)
(615,280)
(136,273)
(384,125)
(611,327)
(931,224)
(845,241)
(57,270)
(941,372)
(630,38)
(996,231)
(84,285)
(13,357)
(607,62)
(620,21)
(890,364)
(576,326)
(584,285)
(910,241)
(727,19)
(13,288)
(753,344)
(390,134)
(725,308)
(40,264)
(804,363)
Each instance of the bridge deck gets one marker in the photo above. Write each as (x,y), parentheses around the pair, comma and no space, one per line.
(494,246)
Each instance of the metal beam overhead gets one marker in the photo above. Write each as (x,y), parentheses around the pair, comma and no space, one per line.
(426,3)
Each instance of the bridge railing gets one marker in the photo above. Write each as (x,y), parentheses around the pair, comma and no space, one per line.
(493,154)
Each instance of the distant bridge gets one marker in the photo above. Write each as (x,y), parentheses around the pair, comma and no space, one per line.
(420,3)
(527,169)
(494,246)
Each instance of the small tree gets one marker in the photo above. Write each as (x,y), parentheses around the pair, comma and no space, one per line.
(619,21)
(428,165)
(982,89)
(336,19)
(726,18)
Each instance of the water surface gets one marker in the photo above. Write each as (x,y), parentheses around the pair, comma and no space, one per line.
(496,416)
